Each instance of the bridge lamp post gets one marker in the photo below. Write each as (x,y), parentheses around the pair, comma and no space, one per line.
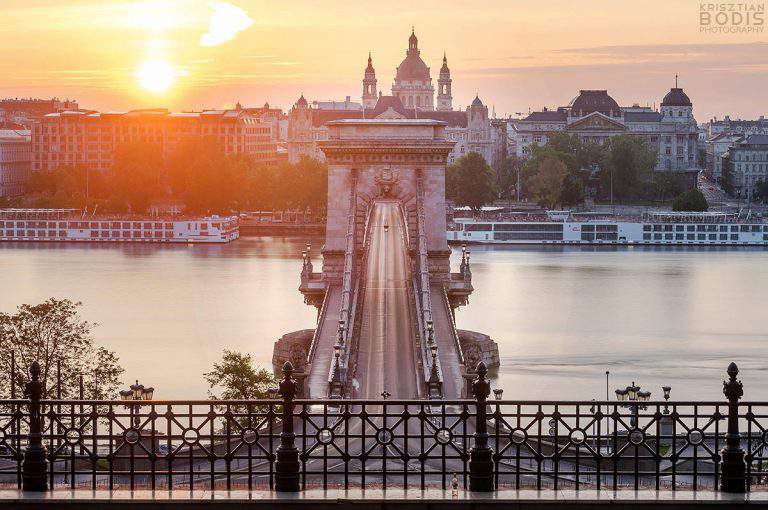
(666,390)
(133,396)
(633,397)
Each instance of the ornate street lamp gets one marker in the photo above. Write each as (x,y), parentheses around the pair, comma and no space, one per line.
(133,396)
(666,390)
(633,396)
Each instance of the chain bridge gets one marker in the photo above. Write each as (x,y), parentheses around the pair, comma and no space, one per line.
(386,296)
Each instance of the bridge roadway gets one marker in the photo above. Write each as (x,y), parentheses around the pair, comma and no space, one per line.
(386,359)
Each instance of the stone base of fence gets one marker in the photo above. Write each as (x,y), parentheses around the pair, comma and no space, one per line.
(375,499)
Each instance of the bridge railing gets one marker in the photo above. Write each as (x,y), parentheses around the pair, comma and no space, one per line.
(337,375)
(289,445)
(433,373)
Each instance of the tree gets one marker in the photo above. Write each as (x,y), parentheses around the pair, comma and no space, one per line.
(137,175)
(761,191)
(235,378)
(547,184)
(691,200)
(506,177)
(627,164)
(572,192)
(470,181)
(53,334)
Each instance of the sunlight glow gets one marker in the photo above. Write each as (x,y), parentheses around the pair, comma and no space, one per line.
(226,21)
(154,15)
(156,75)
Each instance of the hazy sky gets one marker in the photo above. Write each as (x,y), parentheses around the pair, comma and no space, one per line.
(517,54)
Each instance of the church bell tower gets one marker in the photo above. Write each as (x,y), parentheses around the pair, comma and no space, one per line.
(369,85)
(444,98)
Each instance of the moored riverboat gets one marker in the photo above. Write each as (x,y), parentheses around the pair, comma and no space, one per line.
(71,225)
(658,228)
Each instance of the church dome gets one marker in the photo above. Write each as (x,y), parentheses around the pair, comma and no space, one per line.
(477,101)
(590,101)
(302,103)
(413,68)
(676,97)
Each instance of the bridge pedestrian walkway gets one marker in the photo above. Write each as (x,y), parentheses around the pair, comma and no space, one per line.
(317,381)
(445,334)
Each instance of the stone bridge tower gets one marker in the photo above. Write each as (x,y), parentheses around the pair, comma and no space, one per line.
(383,158)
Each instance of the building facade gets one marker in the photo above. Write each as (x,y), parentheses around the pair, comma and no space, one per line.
(412,97)
(736,126)
(746,164)
(26,111)
(594,116)
(15,161)
(715,148)
(92,139)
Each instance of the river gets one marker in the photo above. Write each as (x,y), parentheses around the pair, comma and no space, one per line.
(561,316)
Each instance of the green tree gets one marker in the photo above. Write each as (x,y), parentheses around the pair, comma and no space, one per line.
(470,181)
(52,333)
(506,177)
(137,176)
(572,192)
(627,165)
(761,191)
(547,184)
(235,378)
(691,200)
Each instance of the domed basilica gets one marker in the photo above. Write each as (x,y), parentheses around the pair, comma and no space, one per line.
(413,97)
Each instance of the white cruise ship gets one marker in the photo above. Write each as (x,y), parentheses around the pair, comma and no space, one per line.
(59,225)
(563,227)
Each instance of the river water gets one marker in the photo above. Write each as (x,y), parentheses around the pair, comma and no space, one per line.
(561,316)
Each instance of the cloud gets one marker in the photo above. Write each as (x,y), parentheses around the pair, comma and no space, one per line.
(226,22)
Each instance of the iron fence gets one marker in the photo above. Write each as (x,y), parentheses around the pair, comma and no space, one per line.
(288,444)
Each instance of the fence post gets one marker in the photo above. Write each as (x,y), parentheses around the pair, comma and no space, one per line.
(733,470)
(481,455)
(287,466)
(35,465)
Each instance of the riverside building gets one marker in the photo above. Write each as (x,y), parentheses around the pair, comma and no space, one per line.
(92,138)
(594,116)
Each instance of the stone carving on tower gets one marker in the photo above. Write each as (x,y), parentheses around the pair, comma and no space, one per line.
(413,83)
(369,85)
(386,181)
(444,97)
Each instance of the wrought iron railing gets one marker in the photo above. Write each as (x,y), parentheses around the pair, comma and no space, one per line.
(289,445)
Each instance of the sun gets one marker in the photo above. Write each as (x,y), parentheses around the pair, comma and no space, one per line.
(156,75)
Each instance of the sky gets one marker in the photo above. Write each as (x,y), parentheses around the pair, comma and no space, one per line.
(516,55)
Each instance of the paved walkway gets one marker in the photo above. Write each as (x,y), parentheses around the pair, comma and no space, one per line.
(379,499)
(317,381)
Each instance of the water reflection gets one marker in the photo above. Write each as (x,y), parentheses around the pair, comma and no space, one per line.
(562,316)
(657,315)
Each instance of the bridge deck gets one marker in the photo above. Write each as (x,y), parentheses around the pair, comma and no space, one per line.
(317,381)
(386,357)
